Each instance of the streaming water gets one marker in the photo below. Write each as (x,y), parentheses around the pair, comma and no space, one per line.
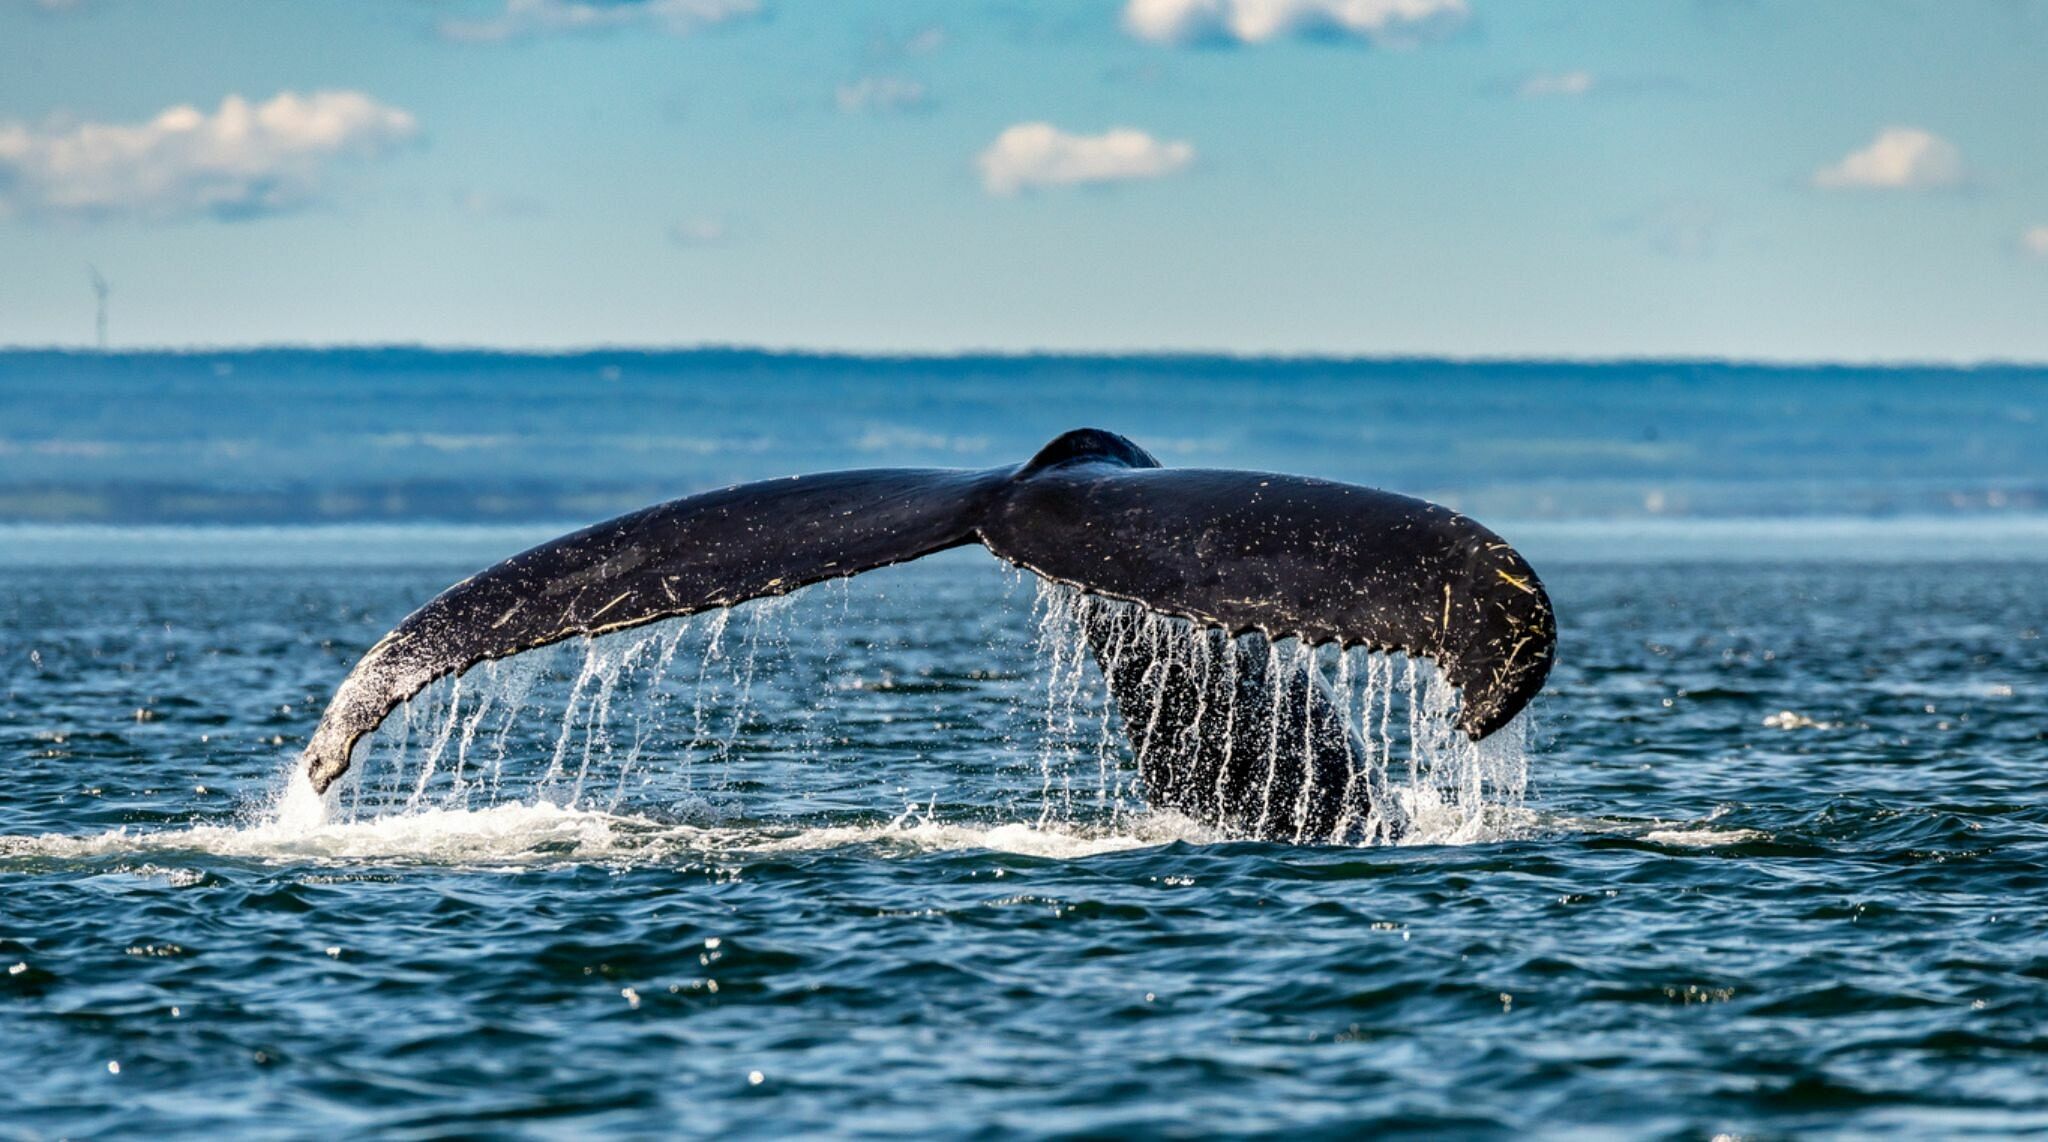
(629,730)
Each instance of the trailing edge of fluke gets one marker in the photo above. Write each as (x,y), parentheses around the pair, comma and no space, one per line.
(1283,556)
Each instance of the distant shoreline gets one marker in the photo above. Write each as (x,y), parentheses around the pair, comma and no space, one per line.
(1181,358)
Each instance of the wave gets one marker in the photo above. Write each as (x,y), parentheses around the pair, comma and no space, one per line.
(298,828)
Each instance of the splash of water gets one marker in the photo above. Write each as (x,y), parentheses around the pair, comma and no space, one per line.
(1427,783)
(515,835)
(601,711)
(622,713)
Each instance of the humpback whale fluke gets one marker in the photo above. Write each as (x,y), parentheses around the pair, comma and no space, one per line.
(1240,553)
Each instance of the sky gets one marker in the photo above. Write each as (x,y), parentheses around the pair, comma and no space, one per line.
(1860,180)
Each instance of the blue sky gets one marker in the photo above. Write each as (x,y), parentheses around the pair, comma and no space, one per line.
(1835,180)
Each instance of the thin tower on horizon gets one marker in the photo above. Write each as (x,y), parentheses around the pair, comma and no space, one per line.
(100,289)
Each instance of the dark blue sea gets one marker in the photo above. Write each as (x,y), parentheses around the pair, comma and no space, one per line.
(1768,859)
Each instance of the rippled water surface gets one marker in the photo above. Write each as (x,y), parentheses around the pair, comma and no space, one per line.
(839,864)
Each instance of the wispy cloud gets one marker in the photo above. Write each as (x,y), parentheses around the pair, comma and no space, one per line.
(1900,158)
(2035,241)
(1546,85)
(1257,21)
(922,42)
(879,94)
(484,203)
(244,160)
(520,19)
(1679,228)
(1032,155)
(693,232)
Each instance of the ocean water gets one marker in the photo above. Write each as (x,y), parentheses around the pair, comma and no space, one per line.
(1766,859)
(301,435)
(1770,860)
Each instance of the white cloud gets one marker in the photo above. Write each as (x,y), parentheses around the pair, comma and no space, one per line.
(1256,21)
(2035,241)
(245,159)
(523,18)
(698,232)
(881,93)
(1031,155)
(1567,83)
(1900,158)
(924,41)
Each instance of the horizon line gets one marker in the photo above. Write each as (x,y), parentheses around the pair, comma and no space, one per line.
(827,353)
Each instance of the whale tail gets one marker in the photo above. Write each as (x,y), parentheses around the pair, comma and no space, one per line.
(1284,556)
(695,554)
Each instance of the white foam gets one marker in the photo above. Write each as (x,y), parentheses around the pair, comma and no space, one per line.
(520,835)
(298,806)
(432,836)
(1702,836)
(1055,841)
(1434,819)
(1794,720)
(523,834)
